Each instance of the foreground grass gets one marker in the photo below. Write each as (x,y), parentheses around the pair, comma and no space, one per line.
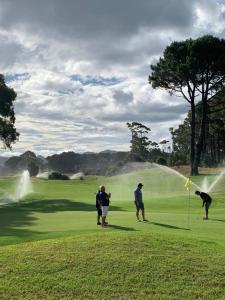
(122,266)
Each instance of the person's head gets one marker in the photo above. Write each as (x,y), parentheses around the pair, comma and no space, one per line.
(140,185)
(102,188)
(197,193)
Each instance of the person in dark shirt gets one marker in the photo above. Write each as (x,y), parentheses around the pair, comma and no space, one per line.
(138,201)
(98,207)
(206,201)
(104,200)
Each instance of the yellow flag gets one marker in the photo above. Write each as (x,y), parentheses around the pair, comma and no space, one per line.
(188,184)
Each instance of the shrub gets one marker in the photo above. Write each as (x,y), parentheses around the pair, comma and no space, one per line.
(33,169)
(58,176)
(161,161)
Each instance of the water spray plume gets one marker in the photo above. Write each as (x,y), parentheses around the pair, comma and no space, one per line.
(43,175)
(216,181)
(24,186)
(157,180)
(78,175)
(205,185)
(172,171)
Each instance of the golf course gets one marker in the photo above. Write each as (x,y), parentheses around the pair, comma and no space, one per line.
(51,247)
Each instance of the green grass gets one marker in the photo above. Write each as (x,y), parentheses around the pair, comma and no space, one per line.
(51,247)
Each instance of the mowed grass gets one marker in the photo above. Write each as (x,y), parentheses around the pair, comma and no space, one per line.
(51,247)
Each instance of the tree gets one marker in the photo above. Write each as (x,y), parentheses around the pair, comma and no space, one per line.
(33,169)
(139,140)
(181,145)
(195,70)
(8,134)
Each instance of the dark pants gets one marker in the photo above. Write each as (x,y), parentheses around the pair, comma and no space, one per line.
(99,211)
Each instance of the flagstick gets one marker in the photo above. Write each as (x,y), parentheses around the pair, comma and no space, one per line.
(189,198)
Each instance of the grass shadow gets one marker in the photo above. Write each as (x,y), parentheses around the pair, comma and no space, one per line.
(210,174)
(57,205)
(219,220)
(121,227)
(14,216)
(169,226)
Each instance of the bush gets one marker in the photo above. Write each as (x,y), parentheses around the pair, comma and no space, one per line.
(161,161)
(58,176)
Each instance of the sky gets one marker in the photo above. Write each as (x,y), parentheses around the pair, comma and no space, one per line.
(80,68)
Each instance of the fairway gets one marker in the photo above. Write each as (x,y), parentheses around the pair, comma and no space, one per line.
(51,247)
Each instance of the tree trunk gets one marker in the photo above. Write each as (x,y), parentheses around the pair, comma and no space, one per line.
(201,137)
(223,145)
(218,147)
(192,154)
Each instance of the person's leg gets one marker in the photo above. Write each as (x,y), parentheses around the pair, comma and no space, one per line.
(137,214)
(103,221)
(104,214)
(143,215)
(137,210)
(206,211)
(99,216)
(143,211)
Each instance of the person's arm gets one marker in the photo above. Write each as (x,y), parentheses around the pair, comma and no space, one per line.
(203,202)
(135,196)
(109,196)
(100,200)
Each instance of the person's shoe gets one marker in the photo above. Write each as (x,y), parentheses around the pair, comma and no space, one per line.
(99,223)
(205,218)
(145,220)
(138,220)
(106,223)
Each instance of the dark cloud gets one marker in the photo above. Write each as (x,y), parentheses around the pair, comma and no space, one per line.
(122,97)
(95,19)
(151,113)
(11,52)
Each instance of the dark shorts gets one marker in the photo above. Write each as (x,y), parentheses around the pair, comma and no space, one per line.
(139,205)
(99,211)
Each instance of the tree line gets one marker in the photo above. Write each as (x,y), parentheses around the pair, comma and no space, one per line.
(213,152)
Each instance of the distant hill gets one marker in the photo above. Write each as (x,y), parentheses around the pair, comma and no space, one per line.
(103,163)
(16,164)
(3,160)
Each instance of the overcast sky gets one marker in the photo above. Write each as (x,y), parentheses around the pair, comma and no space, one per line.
(80,68)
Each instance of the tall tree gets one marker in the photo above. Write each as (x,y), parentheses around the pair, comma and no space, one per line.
(214,143)
(8,133)
(139,140)
(194,69)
